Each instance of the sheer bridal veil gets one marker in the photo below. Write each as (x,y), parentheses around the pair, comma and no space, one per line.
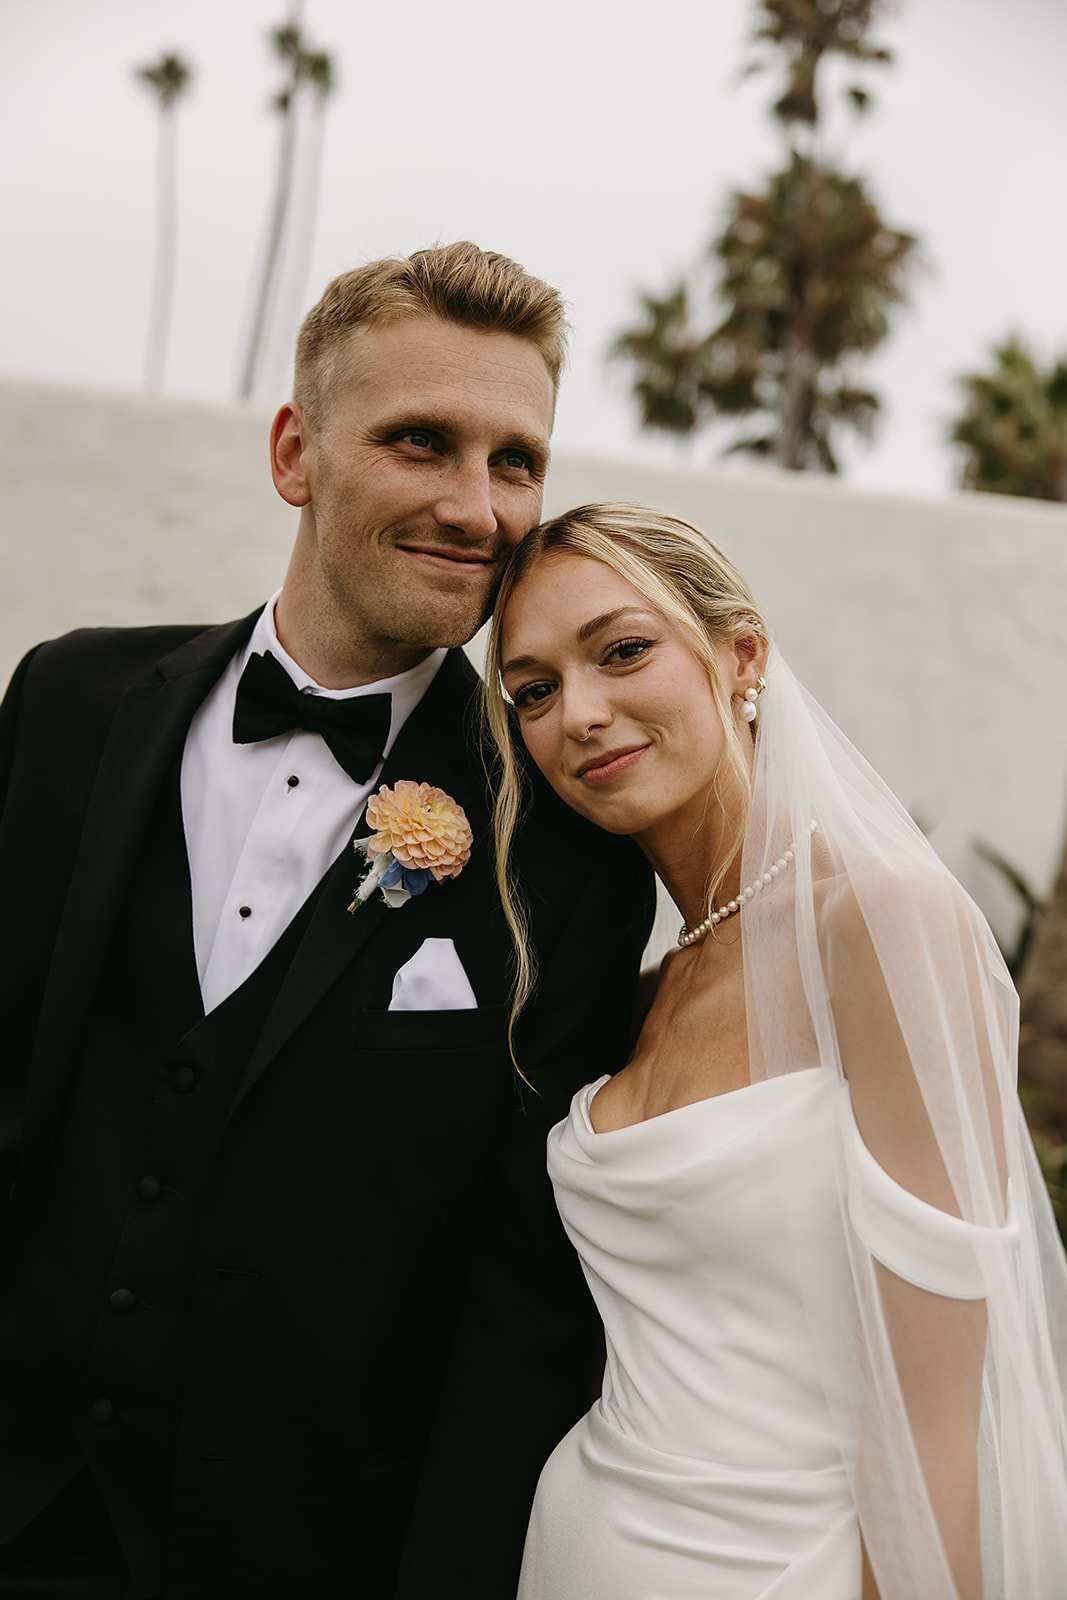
(943,1320)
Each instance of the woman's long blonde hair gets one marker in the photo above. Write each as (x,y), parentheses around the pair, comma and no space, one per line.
(680,574)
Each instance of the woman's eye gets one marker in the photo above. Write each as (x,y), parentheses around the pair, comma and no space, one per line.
(627,650)
(530,694)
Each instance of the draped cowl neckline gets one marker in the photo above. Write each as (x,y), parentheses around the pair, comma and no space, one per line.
(700,1127)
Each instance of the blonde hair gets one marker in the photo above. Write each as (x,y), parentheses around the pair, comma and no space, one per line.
(680,574)
(454,282)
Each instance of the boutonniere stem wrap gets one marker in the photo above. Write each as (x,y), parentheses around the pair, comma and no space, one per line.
(419,833)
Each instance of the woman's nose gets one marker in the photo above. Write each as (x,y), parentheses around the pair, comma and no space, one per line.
(584,712)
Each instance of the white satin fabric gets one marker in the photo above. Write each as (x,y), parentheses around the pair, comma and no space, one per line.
(711,1466)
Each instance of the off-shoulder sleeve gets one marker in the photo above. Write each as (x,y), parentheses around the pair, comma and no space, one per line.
(925,1246)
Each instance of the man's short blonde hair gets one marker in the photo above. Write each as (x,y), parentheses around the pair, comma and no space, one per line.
(454,282)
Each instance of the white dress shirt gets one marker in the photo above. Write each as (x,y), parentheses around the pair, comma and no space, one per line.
(263,822)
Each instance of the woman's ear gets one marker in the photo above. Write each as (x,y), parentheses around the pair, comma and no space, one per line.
(749,652)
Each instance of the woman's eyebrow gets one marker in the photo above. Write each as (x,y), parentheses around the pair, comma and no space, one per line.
(586,632)
(594,625)
(518,662)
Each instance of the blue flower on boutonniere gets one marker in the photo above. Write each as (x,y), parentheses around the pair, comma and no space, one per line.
(419,833)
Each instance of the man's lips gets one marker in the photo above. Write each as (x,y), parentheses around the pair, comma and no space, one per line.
(601,769)
(445,560)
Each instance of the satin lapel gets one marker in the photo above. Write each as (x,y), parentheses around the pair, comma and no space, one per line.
(147,732)
(431,747)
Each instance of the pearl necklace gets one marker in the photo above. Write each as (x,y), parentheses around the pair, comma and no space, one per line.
(689,936)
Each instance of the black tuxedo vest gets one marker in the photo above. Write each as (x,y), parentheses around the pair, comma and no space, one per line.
(100,1309)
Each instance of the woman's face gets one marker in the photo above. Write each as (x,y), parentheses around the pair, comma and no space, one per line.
(614,707)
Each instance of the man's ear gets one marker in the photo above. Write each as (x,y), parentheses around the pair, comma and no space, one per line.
(289,442)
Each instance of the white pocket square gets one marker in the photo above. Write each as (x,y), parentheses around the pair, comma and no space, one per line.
(433,980)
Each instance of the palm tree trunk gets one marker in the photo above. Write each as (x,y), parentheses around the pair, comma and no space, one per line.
(1052,484)
(166,248)
(797,388)
(283,188)
(292,281)
(1043,1040)
(801,357)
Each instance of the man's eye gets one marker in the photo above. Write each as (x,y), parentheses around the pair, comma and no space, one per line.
(515,461)
(418,438)
(530,694)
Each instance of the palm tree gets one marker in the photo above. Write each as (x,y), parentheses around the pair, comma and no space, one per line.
(807,30)
(168,78)
(807,272)
(1013,428)
(292,273)
(668,355)
(302,67)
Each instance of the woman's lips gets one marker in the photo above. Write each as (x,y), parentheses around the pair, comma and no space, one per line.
(603,769)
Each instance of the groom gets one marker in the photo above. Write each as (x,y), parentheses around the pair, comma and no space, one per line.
(285,1308)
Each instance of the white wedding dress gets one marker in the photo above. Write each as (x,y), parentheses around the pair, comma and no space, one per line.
(711,1466)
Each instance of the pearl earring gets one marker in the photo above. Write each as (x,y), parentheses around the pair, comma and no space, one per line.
(748,705)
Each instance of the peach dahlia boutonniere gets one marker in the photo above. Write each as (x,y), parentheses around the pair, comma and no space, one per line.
(419,833)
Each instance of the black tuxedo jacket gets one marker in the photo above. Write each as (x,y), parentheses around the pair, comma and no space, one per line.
(382,1331)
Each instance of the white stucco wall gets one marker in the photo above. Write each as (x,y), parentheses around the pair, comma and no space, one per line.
(121,509)
(934,631)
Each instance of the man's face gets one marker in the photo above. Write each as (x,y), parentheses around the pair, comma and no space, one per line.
(427,466)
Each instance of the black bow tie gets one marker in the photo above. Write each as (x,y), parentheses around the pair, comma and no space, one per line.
(269,703)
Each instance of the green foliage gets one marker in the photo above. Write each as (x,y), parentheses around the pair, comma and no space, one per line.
(1052,1157)
(311,67)
(1053,1160)
(1013,428)
(1032,906)
(806,274)
(168,78)
(805,31)
(669,358)
(809,271)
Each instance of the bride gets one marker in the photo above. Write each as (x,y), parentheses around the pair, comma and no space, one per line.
(808,1209)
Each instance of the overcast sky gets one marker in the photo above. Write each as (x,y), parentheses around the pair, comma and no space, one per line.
(594,142)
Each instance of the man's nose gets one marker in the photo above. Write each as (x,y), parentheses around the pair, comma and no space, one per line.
(465,501)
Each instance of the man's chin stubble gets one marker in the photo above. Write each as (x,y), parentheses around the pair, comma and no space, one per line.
(437,632)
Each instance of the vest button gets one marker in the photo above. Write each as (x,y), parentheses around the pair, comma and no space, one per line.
(149,1188)
(122,1300)
(101,1411)
(184,1079)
